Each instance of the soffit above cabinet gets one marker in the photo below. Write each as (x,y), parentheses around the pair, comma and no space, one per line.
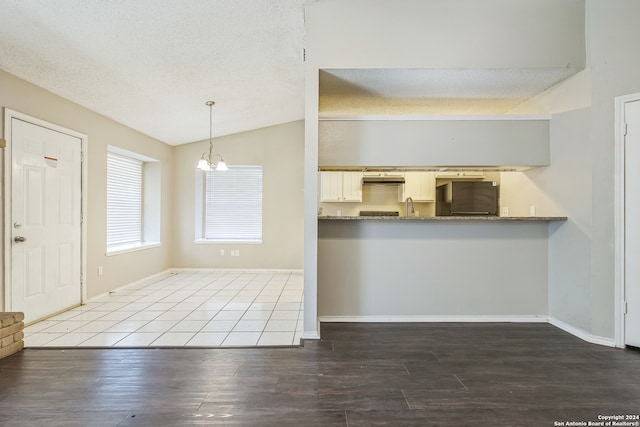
(459,143)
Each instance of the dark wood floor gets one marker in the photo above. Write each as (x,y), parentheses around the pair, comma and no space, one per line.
(358,375)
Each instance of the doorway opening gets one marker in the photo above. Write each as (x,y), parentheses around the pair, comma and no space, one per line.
(627,220)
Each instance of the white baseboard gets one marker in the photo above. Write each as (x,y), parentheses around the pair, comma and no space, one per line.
(144,279)
(583,335)
(194,270)
(310,335)
(237,270)
(434,319)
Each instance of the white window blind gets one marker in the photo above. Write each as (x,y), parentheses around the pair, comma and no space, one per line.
(124,200)
(233,204)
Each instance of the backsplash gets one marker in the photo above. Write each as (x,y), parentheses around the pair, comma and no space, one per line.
(376,198)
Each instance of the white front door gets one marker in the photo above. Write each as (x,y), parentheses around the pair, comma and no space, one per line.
(632,224)
(45,222)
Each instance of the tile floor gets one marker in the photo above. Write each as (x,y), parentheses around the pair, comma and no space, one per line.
(184,309)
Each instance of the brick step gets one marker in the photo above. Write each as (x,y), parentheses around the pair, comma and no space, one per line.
(11,333)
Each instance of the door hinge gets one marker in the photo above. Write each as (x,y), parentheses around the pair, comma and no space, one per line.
(625,307)
(625,130)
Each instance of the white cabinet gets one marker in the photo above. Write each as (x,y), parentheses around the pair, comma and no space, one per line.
(420,186)
(461,175)
(340,186)
(351,186)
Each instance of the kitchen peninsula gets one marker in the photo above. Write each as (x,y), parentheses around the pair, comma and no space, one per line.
(428,265)
(433,268)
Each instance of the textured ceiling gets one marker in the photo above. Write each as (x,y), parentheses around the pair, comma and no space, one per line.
(432,91)
(152,65)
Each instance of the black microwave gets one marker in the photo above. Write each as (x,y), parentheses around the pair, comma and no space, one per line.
(474,198)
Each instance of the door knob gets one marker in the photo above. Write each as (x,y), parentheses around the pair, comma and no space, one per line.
(19,239)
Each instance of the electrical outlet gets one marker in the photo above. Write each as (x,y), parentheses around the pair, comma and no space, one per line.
(505,211)
(222,252)
(100,271)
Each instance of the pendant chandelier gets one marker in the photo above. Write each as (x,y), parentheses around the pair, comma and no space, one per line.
(208,163)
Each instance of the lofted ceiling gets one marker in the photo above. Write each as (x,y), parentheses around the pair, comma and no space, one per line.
(151,65)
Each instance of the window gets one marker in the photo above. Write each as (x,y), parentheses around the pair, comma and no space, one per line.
(133,201)
(232,205)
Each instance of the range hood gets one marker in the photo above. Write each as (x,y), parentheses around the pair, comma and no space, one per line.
(386,180)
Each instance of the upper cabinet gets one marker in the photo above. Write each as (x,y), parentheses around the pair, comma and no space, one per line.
(340,186)
(420,186)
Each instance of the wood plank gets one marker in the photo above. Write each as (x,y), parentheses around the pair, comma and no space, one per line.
(358,374)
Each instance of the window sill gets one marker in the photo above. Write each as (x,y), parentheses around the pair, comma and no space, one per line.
(227,242)
(132,248)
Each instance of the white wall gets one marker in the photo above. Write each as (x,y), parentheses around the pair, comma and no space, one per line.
(424,34)
(24,97)
(520,190)
(568,184)
(445,34)
(571,94)
(562,189)
(419,270)
(613,34)
(434,142)
(279,149)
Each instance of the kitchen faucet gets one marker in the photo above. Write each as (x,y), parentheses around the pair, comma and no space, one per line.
(406,206)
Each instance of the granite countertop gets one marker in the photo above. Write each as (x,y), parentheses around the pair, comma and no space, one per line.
(445,218)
